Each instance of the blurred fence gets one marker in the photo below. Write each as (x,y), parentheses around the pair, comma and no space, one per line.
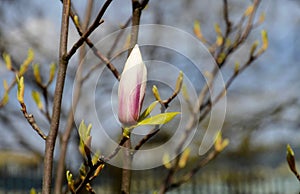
(21,181)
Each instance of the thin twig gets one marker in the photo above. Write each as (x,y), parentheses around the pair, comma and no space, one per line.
(153,132)
(164,105)
(86,34)
(116,41)
(242,36)
(104,59)
(32,122)
(185,178)
(209,104)
(228,25)
(203,94)
(100,161)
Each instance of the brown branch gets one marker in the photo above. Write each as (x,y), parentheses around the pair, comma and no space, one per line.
(238,42)
(164,105)
(63,62)
(146,138)
(60,175)
(102,160)
(228,25)
(185,178)
(226,18)
(208,105)
(242,36)
(121,32)
(32,122)
(86,34)
(84,37)
(104,59)
(168,184)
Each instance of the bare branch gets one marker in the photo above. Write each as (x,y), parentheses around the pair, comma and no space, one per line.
(32,122)
(185,178)
(104,59)
(70,120)
(63,62)
(86,34)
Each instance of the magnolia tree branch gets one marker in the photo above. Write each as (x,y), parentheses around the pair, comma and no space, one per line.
(31,120)
(232,49)
(117,40)
(235,74)
(60,173)
(104,59)
(102,160)
(63,62)
(64,57)
(86,34)
(164,105)
(201,103)
(186,177)
(93,167)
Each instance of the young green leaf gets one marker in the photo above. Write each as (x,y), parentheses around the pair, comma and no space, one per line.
(148,110)
(81,148)
(70,180)
(184,157)
(253,48)
(290,157)
(179,82)
(156,93)
(98,170)
(264,36)
(84,131)
(21,88)
(219,40)
(221,57)
(32,191)
(5,99)
(166,161)
(249,10)
(76,20)
(236,67)
(7,60)
(36,97)
(85,138)
(159,119)
(36,73)
(52,72)
(198,32)
(26,63)
(218,29)
(220,143)
(5,85)
(69,176)
(95,157)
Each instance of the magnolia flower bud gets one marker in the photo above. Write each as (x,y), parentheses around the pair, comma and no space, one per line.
(132,88)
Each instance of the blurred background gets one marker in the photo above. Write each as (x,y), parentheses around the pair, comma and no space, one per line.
(262,116)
